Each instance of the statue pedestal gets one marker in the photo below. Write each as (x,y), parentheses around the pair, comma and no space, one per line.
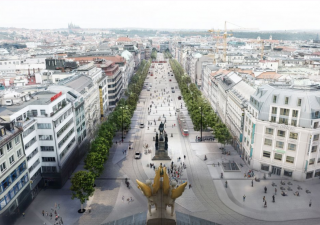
(161,215)
(161,154)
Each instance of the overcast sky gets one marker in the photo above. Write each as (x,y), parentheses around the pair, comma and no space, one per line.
(265,15)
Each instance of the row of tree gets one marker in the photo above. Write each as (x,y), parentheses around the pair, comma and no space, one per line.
(83,181)
(154,54)
(167,54)
(196,105)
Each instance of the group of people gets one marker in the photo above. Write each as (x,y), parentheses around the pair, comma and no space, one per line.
(53,213)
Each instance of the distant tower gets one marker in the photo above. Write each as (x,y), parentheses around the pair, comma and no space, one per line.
(270,38)
(258,38)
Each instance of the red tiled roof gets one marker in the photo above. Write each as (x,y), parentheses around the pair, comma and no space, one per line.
(123,39)
(269,75)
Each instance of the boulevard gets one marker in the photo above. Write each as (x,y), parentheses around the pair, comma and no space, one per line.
(207,199)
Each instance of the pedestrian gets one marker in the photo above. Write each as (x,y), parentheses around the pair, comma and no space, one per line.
(47,213)
(122,198)
(273,198)
(265,189)
(244,198)
(275,191)
(265,204)
(42,212)
(310,203)
(251,183)
(23,214)
(50,216)
(55,212)
(55,205)
(184,156)
(189,186)
(116,142)
(264,198)
(131,199)
(61,221)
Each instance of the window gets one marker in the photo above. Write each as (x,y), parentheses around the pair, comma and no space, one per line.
(45,137)
(33,153)
(293,135)
(65,127)
(286,100)
(299,102)
(316,114)
(264,167)
(274,99)
(278,156)
(42,111)
(47,148)
(28,131)
(294,123)
(3,167)
(311,162)
(11,159)
(248,132)
(19,154)
(315,125)
(268,142)
(274,110)
(290,159)
(266,154)
(316,137)
(284,112)
(279,144)
(283,121)
(49,169)
(249,122)
(294,113)
(273,119)
(287,173)
(269,131)
(314,148)
(44,125)
(17,140)
(281,133)
(48,159)
(1,152)
(292,147)
(9,146)
(31,142)
(245,129)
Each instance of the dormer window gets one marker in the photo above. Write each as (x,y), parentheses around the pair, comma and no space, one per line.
(299,101)
(274,100)
(286,100)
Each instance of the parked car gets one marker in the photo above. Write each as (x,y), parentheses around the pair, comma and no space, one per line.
(137,155)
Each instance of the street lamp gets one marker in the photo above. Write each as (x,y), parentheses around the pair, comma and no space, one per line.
(121,107)
(201,123)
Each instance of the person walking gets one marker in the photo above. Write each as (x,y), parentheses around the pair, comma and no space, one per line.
(189,186)
(23,214)
(265,189)
(123,198)
(275,191)
(264,198)
(310,203)
(184,156)
(265,204)
(251,183)
(273,198)
(42,212)
(244,198)
(50,216)
(47,213)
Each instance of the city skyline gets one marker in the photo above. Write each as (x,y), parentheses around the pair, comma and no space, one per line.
(263,15)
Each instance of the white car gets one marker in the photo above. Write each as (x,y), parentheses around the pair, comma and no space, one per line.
(141,125)
(137,155)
